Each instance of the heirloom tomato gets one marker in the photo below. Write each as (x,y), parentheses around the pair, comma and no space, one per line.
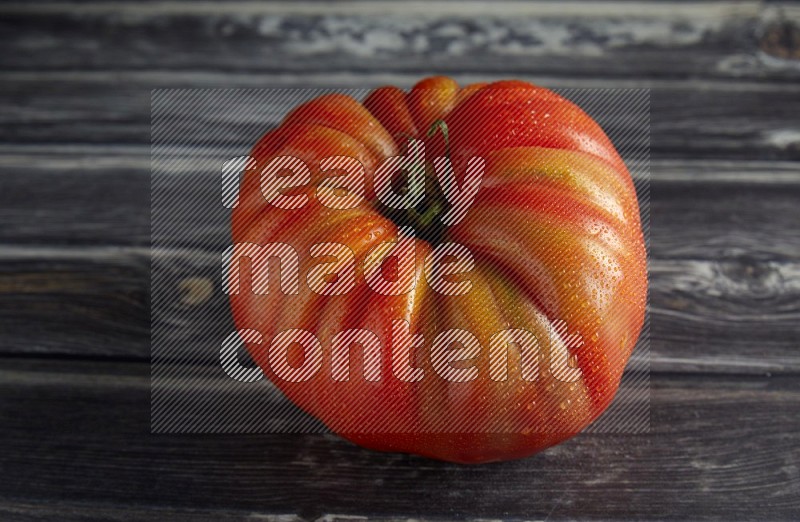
(505,327)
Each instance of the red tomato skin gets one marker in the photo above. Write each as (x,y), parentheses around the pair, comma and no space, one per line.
(556,234)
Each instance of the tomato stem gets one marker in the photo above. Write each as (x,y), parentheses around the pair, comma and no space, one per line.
(441,126)
(423,217)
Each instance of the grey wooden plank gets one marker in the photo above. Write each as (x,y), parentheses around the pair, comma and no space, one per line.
(719,448)
(724,222)
(77,196)
(699,119)
(736,316)
(64,511)
(594,39)
(126,160)
(724,259)
(79,302)
(100,196)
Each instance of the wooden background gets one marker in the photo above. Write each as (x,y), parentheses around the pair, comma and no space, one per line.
(75,441)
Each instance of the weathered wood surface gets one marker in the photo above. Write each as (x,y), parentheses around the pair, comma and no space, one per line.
(76,80)
(701,119)
(94,302)
(87,291)
(714,451)
(591,39)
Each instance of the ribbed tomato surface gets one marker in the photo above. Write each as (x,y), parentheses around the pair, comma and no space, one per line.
(556,238)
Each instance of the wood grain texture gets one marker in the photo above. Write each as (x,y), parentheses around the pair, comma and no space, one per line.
(699,119)
(13,511)
(725,260)
(594,39)
(75,262)
(93,451)
(93,302)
